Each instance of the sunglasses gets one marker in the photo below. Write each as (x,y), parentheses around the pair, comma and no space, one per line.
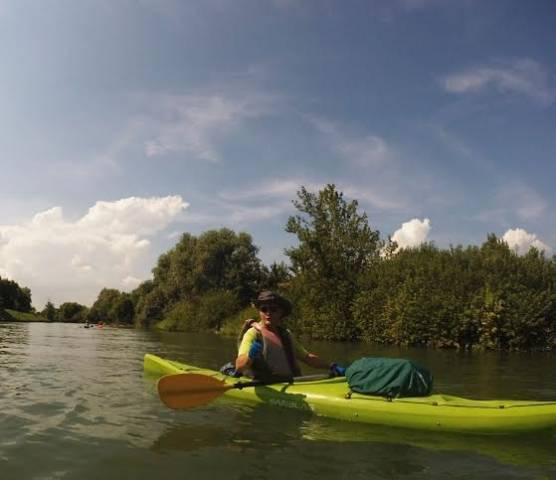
(269,308)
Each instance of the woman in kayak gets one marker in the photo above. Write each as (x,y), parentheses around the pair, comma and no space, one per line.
(268,349)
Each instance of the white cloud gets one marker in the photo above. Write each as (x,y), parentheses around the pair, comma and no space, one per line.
(523,76)
(65,260)
(412,233)
(521,241)
(196,123)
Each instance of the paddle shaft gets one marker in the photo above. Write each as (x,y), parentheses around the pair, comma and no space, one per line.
(188,390)
(261,383)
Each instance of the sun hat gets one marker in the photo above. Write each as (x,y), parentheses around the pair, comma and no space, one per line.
(267,297)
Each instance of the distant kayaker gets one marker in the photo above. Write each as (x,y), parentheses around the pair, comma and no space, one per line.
(267,348)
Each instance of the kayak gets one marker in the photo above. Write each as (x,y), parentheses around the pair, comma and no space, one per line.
(330,398)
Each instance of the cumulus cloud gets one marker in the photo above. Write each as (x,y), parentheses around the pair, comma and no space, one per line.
(521,241)
(523,76)
(64,260)
(412,233)
(196,123)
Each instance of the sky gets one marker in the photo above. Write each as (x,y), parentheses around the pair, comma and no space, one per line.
(125,123)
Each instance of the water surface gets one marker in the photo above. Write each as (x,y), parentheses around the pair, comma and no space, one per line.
(74,404)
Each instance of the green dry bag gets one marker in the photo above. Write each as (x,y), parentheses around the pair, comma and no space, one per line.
(389,377)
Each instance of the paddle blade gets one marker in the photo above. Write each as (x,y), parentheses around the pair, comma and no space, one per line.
(188,390)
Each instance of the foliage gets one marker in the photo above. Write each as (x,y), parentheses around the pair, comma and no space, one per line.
(71,312)
(216,260)
(276,277)
(209,312)
(49,311)
(14,297)
(181,317)
(216,273)
(485,297)
(336,245)
(214,308)
(112,306)
(233,324)
(150,308)
(17,316)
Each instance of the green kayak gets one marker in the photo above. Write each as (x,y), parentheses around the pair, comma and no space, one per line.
(438,412)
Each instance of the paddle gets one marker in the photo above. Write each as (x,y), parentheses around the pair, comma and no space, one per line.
(188,390)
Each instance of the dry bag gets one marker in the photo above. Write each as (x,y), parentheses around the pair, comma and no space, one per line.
(389,377)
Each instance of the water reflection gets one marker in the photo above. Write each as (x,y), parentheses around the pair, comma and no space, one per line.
(250,429)
(515,450)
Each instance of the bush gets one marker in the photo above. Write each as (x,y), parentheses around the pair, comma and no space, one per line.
(182,317)
(214,308)
(207,313)
(233,324)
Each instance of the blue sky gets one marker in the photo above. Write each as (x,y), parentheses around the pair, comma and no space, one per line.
(125,123)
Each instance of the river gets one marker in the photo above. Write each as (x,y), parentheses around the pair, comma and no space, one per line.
(74,404)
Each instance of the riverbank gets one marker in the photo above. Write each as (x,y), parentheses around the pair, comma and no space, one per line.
(7,315)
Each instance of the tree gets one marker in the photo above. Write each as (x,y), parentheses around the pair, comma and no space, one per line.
(122,310)
(216,260)
(71,312)
(276,277)
(14,297)
(49,311)
(336,245)
(101,309)
(150,308)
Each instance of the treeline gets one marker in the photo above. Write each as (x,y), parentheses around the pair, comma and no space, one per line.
(347,283)
(14,297)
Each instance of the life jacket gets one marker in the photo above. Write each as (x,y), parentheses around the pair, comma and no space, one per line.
(278,358)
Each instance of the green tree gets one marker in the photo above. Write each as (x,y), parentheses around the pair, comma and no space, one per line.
(112,306)
(102,308)
(14,297)
(216,260)
(336,245)
(71,312)
(122,310)
(276,277)
(150,308)
(49,311)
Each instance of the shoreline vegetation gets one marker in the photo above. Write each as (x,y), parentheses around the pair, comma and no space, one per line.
(347,284)
(8,315)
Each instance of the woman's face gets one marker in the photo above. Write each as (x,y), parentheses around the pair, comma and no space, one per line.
(271,313)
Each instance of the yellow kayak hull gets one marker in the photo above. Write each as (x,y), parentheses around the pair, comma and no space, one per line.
(436,412)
